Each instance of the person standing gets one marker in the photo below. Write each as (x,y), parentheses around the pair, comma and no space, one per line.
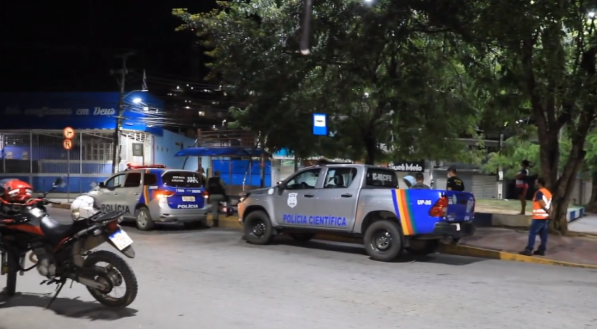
(522,186)
(420,182)
(217,193)
(454,183)
(540,222)
(202,179)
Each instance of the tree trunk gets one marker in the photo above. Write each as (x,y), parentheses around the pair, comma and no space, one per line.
(593,189)
(370,142)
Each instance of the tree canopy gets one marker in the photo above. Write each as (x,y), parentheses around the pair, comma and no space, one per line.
(405,79)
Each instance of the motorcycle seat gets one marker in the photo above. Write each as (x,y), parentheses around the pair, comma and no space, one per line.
(53,230)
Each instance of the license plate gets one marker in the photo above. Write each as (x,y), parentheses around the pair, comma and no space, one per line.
(121,239)
(188,198)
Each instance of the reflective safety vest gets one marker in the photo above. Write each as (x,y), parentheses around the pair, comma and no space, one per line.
(538,212)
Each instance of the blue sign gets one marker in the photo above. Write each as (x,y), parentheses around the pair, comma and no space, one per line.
(320,124)
(90,110)
(329,221)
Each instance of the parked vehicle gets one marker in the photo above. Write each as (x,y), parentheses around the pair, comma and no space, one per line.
(358,201)
(154,194)
(67,251)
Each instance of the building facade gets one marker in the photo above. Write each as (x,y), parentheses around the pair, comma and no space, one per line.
(31,136)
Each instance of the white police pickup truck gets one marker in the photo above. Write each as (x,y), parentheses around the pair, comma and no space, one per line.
(357,201)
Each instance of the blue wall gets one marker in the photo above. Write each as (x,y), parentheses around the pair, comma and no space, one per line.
(91,110)
(44,183)
(240,169)
(165,148)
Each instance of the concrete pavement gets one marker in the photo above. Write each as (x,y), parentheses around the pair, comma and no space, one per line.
(211,278)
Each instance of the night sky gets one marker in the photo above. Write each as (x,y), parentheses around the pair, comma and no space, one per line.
(49,46)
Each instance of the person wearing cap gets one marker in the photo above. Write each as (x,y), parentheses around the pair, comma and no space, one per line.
(454,183)
(522,186)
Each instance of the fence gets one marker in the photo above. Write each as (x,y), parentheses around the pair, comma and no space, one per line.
(38,157)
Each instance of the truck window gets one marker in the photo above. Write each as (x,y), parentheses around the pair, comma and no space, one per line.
(181,179)
(339,177)
(304,180)
(381,178)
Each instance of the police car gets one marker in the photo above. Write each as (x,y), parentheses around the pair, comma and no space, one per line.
(358,201)
(154,194)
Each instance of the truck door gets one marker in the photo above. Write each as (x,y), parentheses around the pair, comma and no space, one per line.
(296,204)
(338,199)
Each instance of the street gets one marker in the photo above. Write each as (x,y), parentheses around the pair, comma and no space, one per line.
(213,279)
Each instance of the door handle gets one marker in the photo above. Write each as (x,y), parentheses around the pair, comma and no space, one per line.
(309,195)
(136,193)
(346,195)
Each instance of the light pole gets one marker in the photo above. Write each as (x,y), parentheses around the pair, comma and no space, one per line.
(118,128)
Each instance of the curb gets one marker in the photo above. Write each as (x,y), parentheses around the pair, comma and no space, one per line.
(463,250)
(445,248)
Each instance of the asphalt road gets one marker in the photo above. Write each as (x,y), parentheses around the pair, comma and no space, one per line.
(212,279)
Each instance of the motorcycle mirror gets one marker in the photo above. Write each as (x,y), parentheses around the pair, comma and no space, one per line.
(59,182)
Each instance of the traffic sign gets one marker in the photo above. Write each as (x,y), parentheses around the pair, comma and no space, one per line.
(69,133)
(67,144)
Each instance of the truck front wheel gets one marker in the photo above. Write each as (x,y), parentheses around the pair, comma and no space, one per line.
(258,228)
(383,240)
(422,247)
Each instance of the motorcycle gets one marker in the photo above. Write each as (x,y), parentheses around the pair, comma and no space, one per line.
(61,252)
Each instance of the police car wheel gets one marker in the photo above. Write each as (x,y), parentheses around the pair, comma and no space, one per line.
(383,240)
(258,228)
(143,219)
(422,247)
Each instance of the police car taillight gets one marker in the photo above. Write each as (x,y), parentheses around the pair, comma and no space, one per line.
(205,195)
(440,208)
(163,194)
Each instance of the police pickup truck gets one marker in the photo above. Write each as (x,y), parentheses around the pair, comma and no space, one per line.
(357,201)
(154,194)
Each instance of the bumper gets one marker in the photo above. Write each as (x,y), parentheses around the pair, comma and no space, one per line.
(455,230)
(181,216)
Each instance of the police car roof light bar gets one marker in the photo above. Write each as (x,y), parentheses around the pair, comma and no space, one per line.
(136,166)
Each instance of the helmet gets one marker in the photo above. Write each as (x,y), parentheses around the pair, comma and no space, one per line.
(14,191)
(83,207)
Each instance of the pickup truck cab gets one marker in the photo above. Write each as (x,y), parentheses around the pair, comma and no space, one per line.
(359,201)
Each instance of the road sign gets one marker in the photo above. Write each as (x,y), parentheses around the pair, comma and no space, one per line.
(69,133)
(67,144)
(320,124)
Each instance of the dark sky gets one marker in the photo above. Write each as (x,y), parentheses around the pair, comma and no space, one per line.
(50,46)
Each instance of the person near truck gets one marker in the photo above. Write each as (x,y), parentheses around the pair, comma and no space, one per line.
(522,186)
(540,222)
(420,182)
(454,183)
(202,179)
(217,193)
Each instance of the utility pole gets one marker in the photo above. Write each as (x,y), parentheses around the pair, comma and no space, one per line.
(120,114)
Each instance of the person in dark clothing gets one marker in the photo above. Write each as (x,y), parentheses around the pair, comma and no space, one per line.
(522,186)
(217,193)
(454,183)
(202,179)
(420,182)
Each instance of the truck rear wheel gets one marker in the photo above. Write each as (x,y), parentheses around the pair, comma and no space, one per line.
(422,247)
(258,228)
(383,240)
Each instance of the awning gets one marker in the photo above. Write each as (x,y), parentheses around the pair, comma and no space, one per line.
(221,152)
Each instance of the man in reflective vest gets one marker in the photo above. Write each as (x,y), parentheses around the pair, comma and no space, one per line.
(540,223)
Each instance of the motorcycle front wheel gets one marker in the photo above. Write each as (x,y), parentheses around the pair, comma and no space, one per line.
(119,273)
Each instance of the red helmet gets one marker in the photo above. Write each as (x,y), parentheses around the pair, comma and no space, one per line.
(14,190)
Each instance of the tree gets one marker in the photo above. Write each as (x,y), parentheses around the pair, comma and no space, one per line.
(541,64)
(383,73)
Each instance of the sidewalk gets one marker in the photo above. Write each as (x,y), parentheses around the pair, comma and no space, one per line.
(567,249)
(587,224)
